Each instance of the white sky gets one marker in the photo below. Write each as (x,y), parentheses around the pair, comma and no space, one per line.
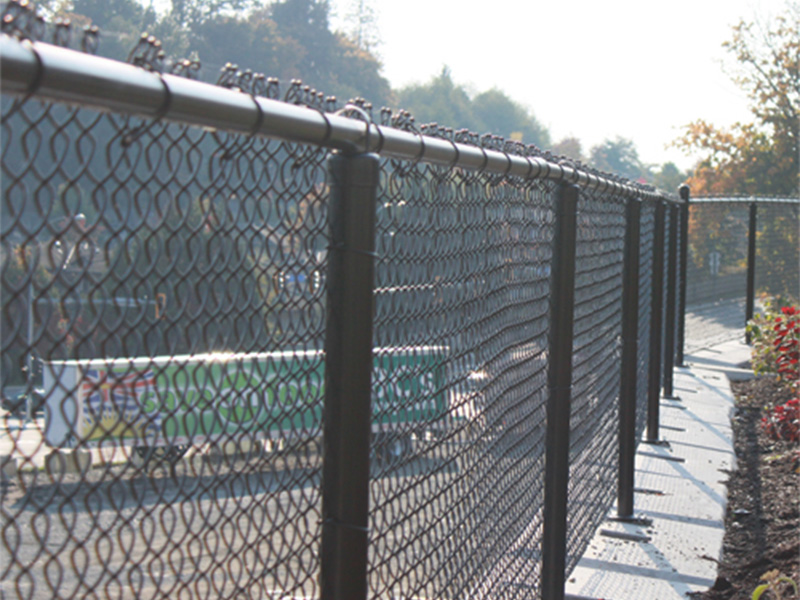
(590,69)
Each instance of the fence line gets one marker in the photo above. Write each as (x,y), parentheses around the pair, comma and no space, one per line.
(740,249)
(58,74)
(268,369)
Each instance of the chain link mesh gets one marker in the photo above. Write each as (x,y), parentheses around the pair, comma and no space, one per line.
(463,277)
(163,317)
(716,273)
(596,363)
(163,295)
(717,264)
(664,301)
(777,269)
(647,224)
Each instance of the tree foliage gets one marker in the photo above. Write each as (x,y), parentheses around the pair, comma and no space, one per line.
(287,39)
(443,101)
(362,29)
(189,14)
(121,22)
(570,147)
(618,156)
(500,114)
(668,177)
(756,158)
(760,157)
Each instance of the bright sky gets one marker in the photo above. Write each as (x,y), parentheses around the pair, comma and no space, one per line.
(586,68)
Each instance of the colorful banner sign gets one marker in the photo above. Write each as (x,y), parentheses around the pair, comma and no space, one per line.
(196,399)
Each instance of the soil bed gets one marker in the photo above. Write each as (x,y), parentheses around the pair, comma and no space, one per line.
(762,521)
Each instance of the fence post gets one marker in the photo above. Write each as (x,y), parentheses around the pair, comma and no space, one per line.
(630,345)
(672,281)
(683,192)
(751,267)
(556,477)
(656,320)
(348,370)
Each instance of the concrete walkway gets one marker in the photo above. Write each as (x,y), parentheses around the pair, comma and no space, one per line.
(680,487)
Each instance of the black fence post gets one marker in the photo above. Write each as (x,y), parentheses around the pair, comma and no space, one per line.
(751,267)
(630,345)
(672,284)
(348,370)
(556,477)
(656,321)
(683,192)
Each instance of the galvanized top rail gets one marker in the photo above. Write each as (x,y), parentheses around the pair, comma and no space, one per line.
(60,74)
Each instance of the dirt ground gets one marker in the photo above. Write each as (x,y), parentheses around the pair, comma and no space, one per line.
(762,522)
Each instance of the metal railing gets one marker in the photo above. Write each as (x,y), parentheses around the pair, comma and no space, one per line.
(291,352)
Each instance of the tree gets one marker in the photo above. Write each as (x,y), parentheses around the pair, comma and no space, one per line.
(743,159)
(669,177)
(618,156)
(440,100)
(501,115)
(288,40)
(756,158)
(760,157)
(357,74)
(570,147)
(362,18)
(306,23)
(188,14)
(444,102)
(238,39)
(121,22)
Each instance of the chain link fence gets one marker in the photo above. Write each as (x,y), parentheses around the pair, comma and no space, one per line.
(717,271)
(647,235)
(462,269)
(168,290)
(172,294)
(596,365)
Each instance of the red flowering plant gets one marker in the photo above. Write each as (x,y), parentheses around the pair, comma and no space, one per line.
(776,349)
(774,334)
(782,422)
(787,343)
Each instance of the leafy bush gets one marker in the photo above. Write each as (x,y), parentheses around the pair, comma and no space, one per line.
(782,422)
(787,343)
(775,336)
(776,349)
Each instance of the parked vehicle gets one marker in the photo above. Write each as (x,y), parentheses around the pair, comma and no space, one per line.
(178,401)
(18,403)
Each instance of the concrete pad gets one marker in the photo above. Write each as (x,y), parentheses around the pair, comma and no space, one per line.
(681,488)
